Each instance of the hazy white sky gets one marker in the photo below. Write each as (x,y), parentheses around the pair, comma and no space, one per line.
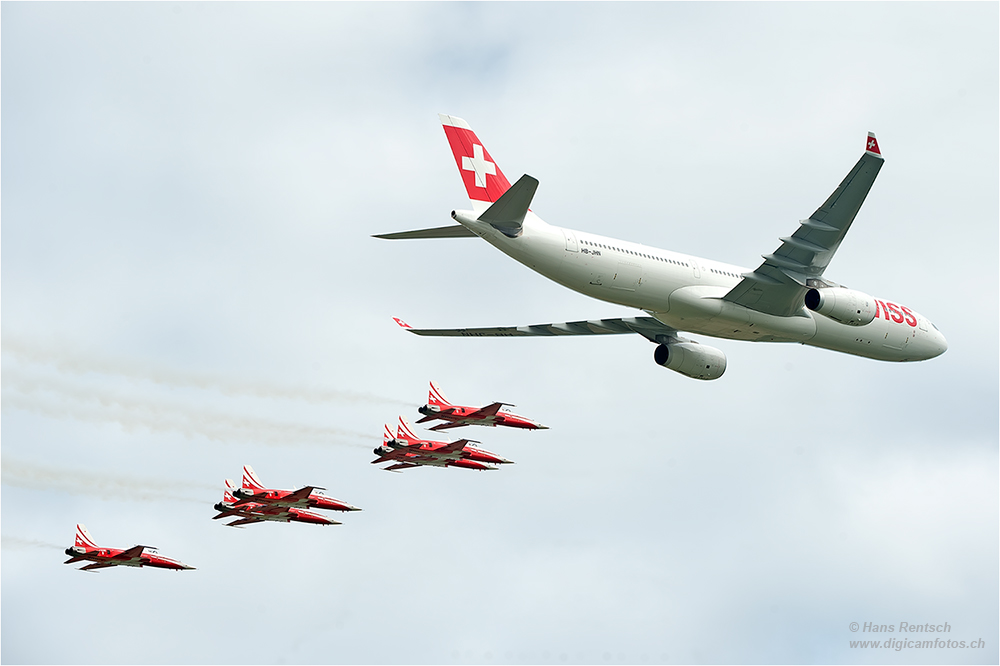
(189,285)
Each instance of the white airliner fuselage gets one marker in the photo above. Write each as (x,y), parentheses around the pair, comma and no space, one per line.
(685,292)
(786,299)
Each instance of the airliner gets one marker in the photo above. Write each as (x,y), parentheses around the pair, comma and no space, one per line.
(785,299)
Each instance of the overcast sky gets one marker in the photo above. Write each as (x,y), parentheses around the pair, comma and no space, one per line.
(189,285)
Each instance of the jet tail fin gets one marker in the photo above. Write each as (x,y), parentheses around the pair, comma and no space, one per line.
(250,479)
(83,538)
(484,181)
(405,431)
(507,214)
(436,397)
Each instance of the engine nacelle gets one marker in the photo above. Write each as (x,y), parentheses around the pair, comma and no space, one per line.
(691,359)
(842,305)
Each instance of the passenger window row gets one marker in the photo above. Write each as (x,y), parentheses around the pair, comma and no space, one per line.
(636,254)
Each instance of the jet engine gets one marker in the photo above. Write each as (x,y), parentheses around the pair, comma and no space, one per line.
(691,359)
(843,305)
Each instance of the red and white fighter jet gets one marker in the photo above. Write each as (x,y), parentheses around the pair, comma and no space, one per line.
(84,549)
(253,491)
(456,416)
(411,451)
(252,512)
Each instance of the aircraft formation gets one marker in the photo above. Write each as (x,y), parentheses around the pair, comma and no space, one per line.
(406,450)
(253,502)
(786,298)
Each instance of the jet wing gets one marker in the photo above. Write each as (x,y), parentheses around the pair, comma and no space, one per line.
(244,521)
(403,465)
(454,447)
(98,565)
(779,284)
(648,327)
(446,426)
(298,495)
(132,553)
(488,410)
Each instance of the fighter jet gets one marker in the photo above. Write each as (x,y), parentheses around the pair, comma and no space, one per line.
(253,491)
(252,512)
(411,451)
(84,548)
(456,416)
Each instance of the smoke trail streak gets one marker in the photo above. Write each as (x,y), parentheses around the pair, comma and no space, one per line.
(98,484)
(78,363)
(99,405)
(17,543)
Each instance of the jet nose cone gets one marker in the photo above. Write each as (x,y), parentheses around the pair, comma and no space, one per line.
(942,345)
(938,344)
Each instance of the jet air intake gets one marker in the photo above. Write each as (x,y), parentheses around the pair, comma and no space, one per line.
(842,305)
(691,359)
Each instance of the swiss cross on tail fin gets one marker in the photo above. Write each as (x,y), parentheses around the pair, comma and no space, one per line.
(405,430)
(83,538)
(250,480)
(436,397)
(227,496)
(872,145)
(483,179)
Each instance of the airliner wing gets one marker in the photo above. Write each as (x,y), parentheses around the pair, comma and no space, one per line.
(778,286)
(647,327)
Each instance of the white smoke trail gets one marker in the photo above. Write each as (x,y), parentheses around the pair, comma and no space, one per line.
(17,543)
(57,398)
(100,484)
(66,360)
